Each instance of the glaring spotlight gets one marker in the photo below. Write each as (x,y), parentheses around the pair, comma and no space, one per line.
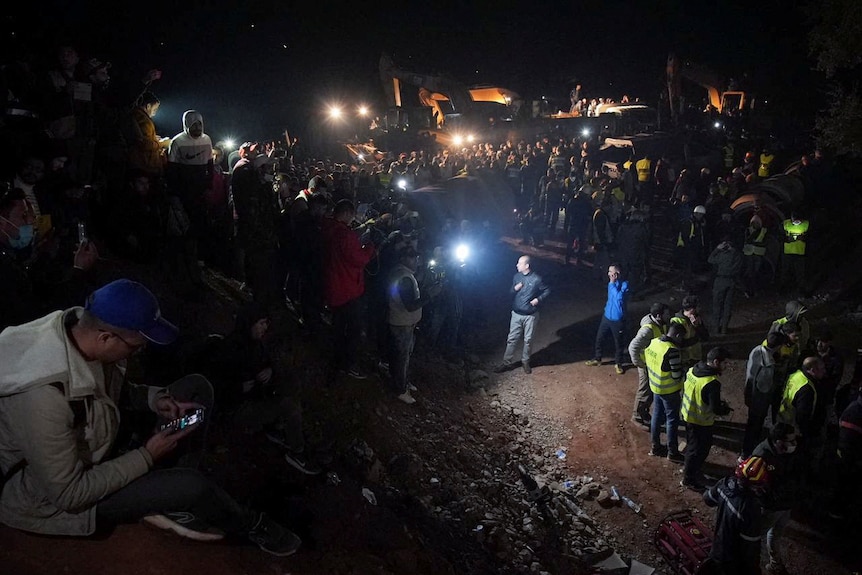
(363,110)
(462,252)
(585,132)
(334,112)
(402,183)
(229,144)
(457,140)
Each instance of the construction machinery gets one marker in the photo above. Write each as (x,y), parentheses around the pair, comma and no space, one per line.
(446,103)
(720,97)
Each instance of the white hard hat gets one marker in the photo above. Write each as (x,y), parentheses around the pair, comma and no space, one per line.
(699,210)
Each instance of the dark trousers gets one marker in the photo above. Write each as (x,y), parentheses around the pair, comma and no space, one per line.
(698,444)
(754,426)
(615,330)
(347,327)
(403,339)
(171,490)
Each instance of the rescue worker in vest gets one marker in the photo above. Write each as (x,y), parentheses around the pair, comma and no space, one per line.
(793,258)
(727,263)
(760,388)
(738,519)
(652,326)
(799,399)
(664,366)
(764,170)
(694,328)
(691,244)
(701,403)
(794,311)
(753,252)
(405,312)
(644,170)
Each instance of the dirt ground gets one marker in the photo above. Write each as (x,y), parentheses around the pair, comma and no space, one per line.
(442,469)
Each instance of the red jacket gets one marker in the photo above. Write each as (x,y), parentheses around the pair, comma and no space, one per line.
(344,262)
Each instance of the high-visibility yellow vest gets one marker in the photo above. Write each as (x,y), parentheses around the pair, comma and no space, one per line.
(793,244)
(660,381)
(627,165)
(755,247)
(680,241)
(787,412)
(694,409)
(690,353)
(657,330)
(765,165)
(643,168)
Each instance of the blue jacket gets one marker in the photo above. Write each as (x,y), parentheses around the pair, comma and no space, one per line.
(615,309)
(534,287)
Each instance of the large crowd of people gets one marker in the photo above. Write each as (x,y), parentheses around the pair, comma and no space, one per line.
(340,250)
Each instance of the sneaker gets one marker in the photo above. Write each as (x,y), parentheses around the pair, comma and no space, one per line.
(407,398)
(411,387)
(675,456)
(619,369)
(383,368)
(298,461)
(503,367)
(185,524)
(356,374)
(526,366)
(692,485)
(273,538)
(593,362)
(658,451)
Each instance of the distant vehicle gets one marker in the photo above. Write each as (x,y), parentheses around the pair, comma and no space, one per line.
(682,150)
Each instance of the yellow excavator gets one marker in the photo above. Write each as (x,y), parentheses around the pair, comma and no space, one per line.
(721,100)
(445,96)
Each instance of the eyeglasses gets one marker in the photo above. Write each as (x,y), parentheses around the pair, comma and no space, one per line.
(134,347)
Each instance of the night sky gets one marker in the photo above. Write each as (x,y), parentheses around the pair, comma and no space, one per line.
(254,69)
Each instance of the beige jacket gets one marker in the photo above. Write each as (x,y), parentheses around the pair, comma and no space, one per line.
(42,377)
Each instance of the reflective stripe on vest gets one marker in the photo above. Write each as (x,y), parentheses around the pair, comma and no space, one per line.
(643,169)
(755,247)
(765,165)
(693,409)
(787,412)
(792,244)
(660,381)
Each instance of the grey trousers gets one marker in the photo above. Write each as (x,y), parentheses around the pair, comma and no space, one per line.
(520,325)
(643,396)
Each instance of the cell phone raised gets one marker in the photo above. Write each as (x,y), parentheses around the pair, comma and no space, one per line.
(189,419)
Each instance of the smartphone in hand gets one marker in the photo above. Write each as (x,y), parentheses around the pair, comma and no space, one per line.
(188,420)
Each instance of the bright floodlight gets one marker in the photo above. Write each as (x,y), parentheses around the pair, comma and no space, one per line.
(717,125)
(360,157)
(470,138)
(363,110)
(585,132)
(462,252)
(432,263)
(334,112)
(402,183)
(458,140)
(229,144)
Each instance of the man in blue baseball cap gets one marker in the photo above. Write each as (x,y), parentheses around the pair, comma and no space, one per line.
(61,378)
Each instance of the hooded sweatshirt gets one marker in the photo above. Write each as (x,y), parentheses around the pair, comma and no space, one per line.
(59,415)
(187,150)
